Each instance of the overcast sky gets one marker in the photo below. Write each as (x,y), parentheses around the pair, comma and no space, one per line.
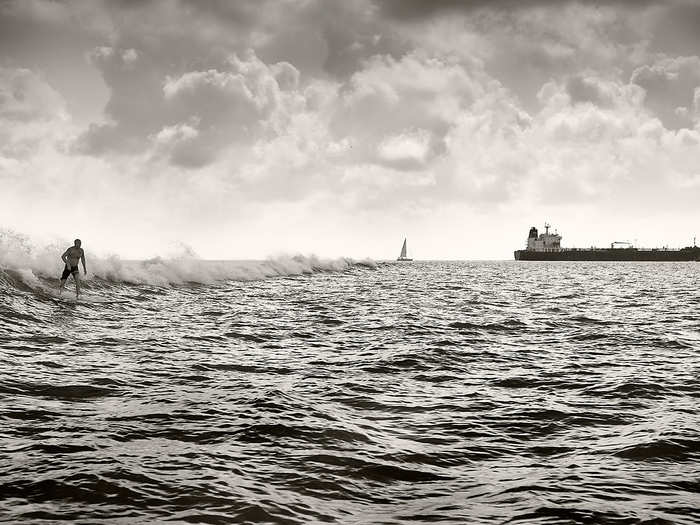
(251,128)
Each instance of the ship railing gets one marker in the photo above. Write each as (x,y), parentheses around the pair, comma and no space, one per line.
(606,249)
(586,249)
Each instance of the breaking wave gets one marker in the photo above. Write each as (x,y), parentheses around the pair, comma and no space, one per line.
(24,264)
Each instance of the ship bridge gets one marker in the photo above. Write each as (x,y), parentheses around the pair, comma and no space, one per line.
(545,242)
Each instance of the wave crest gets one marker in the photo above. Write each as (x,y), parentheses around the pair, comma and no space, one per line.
(33,264)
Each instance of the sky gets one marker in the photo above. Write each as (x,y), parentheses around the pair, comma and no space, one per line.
(338,127)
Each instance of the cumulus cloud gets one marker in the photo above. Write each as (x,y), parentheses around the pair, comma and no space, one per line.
(133,110)
(234,106)
(217,96)
(387,99)
(696,105)
(237,102)
(32,113)
(408,149)
(178,145)
(25,96)
(670,85)
(124,57)
(317,113)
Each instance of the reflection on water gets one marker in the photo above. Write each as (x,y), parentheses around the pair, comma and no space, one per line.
(422,392)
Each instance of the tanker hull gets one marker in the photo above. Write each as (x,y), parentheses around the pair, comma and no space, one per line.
(610,254)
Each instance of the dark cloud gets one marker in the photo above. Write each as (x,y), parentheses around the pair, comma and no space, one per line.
(329,38)
(582,89)
(244,13)
(397,113)
(677,31)
(670,86)
(135,106)
(417,9)
(25,96)
(190,117)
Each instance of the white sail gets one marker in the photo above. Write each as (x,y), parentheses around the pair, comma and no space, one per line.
(403,250)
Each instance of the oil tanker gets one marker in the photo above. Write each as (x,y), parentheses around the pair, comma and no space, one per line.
(547,247)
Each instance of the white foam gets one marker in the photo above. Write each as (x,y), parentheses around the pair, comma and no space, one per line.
(31,262)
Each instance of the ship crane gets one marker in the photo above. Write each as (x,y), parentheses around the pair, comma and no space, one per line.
(615,243)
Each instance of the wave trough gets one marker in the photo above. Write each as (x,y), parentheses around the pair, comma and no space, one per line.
(301,391)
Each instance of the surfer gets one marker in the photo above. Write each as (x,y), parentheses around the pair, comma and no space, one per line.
(71,257)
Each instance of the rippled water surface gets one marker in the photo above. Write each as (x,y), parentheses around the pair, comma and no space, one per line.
(407,393)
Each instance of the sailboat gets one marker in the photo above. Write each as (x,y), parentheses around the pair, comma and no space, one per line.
(403,257)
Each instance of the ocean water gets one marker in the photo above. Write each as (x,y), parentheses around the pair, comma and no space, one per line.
(303,391)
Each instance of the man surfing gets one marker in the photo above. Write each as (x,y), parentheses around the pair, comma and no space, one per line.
(71,257)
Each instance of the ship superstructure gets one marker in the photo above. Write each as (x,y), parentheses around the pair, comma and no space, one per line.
(545,242)
(547,247)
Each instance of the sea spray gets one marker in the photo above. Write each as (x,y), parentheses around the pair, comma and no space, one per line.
(30,262)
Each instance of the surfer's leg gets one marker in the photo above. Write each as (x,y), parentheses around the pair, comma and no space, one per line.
(77,284)
(64,278)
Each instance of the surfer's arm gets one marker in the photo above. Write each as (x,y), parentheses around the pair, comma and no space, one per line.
(64,257)
(82,260)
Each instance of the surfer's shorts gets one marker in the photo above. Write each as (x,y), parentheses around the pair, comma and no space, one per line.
(67,272)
